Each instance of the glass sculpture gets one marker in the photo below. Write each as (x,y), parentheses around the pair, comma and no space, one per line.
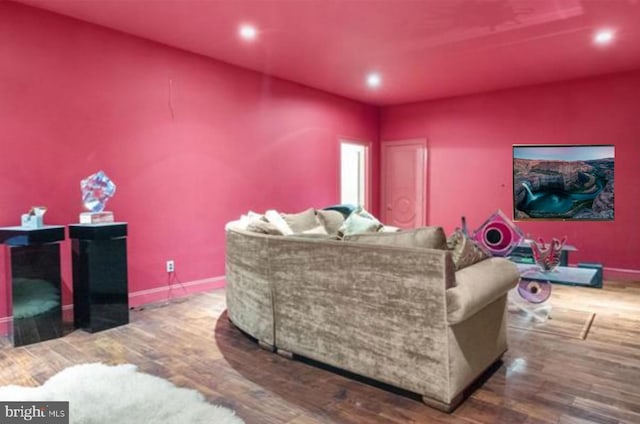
(531,296)
(34,218)
(547,257)
(96,190)
(498,234)
(534,291)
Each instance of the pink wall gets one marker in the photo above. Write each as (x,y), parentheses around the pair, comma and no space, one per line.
(76,98)
(469,148)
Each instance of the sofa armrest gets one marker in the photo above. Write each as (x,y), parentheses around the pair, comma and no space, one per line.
(479,285)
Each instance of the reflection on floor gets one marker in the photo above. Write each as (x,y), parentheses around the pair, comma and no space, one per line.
(545,378)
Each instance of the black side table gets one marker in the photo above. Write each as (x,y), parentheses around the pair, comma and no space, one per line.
(34,282)
(100,288)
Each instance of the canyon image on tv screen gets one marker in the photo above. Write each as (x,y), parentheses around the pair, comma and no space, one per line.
(563,182)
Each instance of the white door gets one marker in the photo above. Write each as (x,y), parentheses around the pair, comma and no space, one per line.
(354,173)
(404,182)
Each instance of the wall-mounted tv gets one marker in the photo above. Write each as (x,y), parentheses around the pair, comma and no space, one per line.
(563,182)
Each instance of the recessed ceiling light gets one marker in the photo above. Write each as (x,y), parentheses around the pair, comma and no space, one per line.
(247,32)
(604,36)
(374,80)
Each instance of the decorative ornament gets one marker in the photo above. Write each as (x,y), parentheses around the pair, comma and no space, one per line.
(547,257)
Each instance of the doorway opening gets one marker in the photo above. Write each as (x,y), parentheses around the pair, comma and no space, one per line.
(354,173)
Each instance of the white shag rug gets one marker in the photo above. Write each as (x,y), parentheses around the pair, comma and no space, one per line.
(102,394)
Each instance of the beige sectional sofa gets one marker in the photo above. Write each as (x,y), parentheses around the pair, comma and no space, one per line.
(399,315)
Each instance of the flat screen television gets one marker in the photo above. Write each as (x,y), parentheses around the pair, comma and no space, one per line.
(563,182)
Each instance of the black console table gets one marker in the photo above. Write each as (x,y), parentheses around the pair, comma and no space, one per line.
(34,282)
(100,283)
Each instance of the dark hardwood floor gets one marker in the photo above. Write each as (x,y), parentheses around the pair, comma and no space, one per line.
(545,378)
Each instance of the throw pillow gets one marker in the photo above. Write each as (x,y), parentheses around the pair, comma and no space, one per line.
(331,220)
(300,222)
(464,251)
(244,221)
(263,227)
(276,219)
(355,224)
(345,209)
(364,213)
(424,237)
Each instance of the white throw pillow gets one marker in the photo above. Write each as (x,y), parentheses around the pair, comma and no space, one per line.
(244,221)
(238,224)
(356,223)
(276,219)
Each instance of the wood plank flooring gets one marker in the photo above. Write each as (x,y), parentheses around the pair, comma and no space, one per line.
(545,378)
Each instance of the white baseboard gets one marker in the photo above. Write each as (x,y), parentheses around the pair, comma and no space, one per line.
(158,294)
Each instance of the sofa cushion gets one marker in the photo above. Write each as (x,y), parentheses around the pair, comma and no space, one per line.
(302,221)
(356,224)
(424,237)
(314,236)
(316,230)
(331,220)
(465,251)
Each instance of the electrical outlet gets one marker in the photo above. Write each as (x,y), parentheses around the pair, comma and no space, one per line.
(171,266)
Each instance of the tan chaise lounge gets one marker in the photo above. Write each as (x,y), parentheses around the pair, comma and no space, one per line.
(379,311)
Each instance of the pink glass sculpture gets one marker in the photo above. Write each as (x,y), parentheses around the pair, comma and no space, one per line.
(534,291)
(547,257)
(498,234)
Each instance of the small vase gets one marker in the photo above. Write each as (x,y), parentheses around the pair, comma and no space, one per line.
(547,257)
